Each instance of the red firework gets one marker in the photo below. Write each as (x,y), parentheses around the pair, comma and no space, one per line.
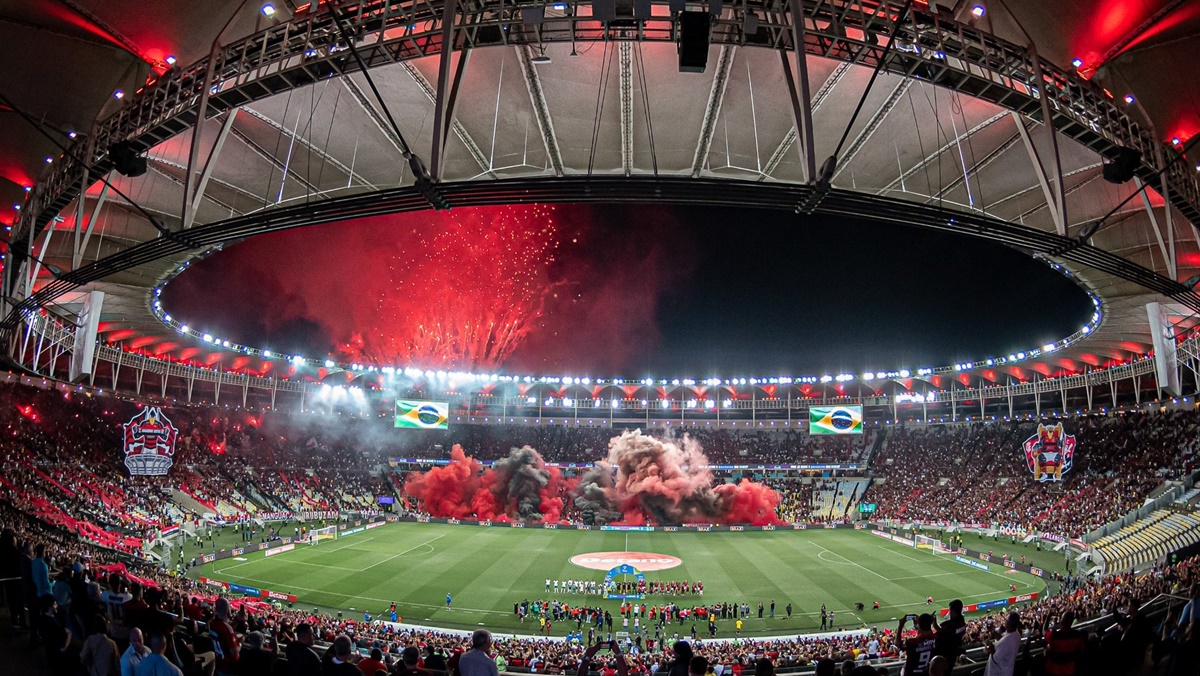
(465,289)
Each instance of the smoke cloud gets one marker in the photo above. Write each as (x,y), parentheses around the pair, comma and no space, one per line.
(643,480)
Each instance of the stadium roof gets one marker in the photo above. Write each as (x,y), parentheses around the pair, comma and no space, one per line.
(296,136)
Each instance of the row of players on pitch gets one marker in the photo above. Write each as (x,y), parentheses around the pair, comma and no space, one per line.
(666,588)
(640,614)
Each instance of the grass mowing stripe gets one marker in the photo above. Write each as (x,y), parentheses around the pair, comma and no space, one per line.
(488,568)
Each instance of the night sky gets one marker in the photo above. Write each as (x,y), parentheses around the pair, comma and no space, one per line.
(643,290)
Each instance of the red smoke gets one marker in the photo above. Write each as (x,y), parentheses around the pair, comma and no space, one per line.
(447,491)
(644,480)
(747,502)
(519,486)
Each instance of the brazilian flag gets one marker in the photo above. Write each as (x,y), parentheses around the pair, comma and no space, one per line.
(422,415)
(835,420)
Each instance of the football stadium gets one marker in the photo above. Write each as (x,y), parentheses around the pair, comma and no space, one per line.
(468,337)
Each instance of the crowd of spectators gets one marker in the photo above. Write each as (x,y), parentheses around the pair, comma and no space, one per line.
(66,501)
(977,473)
(85,607)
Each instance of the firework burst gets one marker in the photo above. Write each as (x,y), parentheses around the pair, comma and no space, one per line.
(464,290)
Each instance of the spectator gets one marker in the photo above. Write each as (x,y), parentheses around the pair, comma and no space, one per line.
(134,654)
(476,661)
(1002,656)
(41,572)
(950,633)
(1065,645)
(302,660)
(224,638)
(156,663)
(342,663)
(60,653)
(410,657)
(255,656)
(100,655)
(919,649)
(373,663)
(683,658)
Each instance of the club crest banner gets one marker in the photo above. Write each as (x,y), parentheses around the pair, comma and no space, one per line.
(149,443)
(1049,453)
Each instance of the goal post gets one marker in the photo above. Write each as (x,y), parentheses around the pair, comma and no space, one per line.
(932,544)
(317,534)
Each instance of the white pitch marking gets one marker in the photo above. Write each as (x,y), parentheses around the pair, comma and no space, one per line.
(402,553)
(845,560)
(903,556)
(356,542)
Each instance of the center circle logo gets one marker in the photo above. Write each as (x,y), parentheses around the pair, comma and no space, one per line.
(643,561)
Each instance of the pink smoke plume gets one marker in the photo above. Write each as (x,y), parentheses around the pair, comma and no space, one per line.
(668,482)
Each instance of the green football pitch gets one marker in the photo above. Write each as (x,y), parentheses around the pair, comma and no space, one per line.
(487,570)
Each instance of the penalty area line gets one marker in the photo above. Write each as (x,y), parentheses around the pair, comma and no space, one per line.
(402,553)
(355,542)
(845,560)
(903,556)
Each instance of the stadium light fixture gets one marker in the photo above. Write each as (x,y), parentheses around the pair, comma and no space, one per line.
(119,94)
(1175,141)
(72,134)
(1129,99)
(1077,62)
(978,11)
(268,10)
(171,59)
(49,160)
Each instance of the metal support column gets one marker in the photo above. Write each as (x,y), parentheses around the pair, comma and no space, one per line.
(802,96)
(443,109)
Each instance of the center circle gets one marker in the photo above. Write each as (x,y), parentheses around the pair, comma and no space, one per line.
(641,560)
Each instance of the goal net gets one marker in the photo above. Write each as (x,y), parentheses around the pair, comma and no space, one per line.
(932,544)
(318,534)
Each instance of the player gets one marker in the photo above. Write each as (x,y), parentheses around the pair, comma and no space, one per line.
(929,600)
(875,606)
(448,600)
(547,584)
